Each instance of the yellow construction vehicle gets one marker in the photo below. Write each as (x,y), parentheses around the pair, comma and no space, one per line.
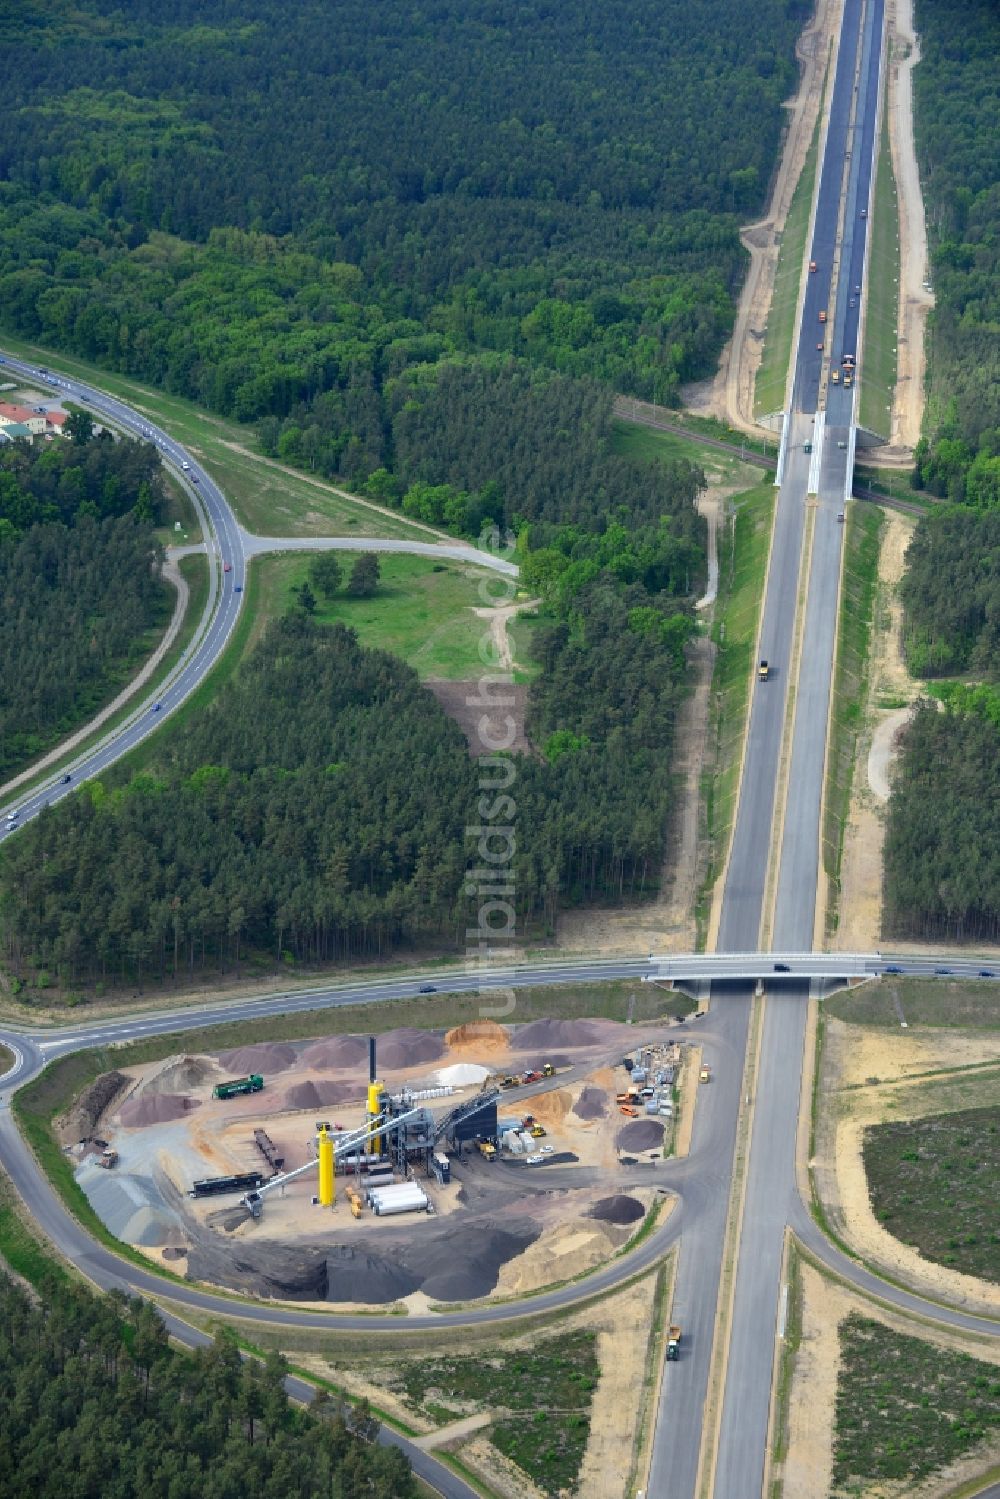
(537,1132)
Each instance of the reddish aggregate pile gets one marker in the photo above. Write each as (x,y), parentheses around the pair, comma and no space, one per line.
(267,1057)
(318,1095)
(542,1035)
(592,1103)
(156,1108)
(408,1048)
(336,1051)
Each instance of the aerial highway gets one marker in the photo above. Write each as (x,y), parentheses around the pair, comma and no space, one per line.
(774,860)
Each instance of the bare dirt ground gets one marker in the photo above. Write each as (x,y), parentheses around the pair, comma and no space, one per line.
(871,1076)
(808,1466)
(860,924)
(463,702)
(915,301)
(730,395)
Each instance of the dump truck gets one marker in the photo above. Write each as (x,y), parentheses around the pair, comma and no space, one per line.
(834,377)
(705,1075)
(763,671)
(673,1342)
(108,1158)
(822,316)
(236,1086)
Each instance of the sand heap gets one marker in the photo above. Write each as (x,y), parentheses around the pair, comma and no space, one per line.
(619,1209)
(267,1057)
(461,1074)
(592,1103)
(542,1035)
(408,1048)
(563,1250)
(484,1037)
(155,1108)
(335,1052)
(321,1094)
(641,1134)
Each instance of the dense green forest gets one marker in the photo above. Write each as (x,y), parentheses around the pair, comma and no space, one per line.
(256,208)
(951,594)
(96,1403)
(942,855)
(335,825)
(958,147)
(79,580)
(942,847)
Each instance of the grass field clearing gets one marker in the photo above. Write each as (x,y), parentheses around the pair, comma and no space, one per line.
(935,1183)
(772,375)
(905,1408)
(652,445)
(877,376)
(860,582)
(744,545)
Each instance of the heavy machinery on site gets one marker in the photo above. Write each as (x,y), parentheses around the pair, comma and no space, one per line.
(237,1086)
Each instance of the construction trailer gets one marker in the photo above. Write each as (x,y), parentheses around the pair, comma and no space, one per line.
(221,1186)
(266,1146)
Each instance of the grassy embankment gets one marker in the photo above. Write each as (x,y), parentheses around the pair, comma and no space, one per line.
(955,1006)
(905,1408)
(744,545)
(772,375)
(653,445)
(860,583)
(877,376)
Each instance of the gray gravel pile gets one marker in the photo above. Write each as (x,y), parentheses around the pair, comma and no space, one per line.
(641,1134)
(266,1057)
(180,1076)
(155,1108)
(130,1206)
(337,1051)
(592,1103)
(617,1210)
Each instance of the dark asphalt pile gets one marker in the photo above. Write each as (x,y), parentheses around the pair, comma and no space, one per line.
(592,1103)
(617,1210)
(448,1264)
(409,1048)
(267,1057)
(542,1035)
(319,1095)
(337,1051)
(641,1134)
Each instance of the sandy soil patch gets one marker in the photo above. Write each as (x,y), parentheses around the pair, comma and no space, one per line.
(860,906)
(499,617)
(870,1077)
(915,301)
(688,1085)
(563,1251)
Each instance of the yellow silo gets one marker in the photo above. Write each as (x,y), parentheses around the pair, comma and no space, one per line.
(326,1187)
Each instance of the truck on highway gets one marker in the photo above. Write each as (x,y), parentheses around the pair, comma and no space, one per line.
(237,1086)
(822,316)
(673,1343)
(763,671)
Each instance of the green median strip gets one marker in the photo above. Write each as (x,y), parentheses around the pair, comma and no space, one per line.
(877,376)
